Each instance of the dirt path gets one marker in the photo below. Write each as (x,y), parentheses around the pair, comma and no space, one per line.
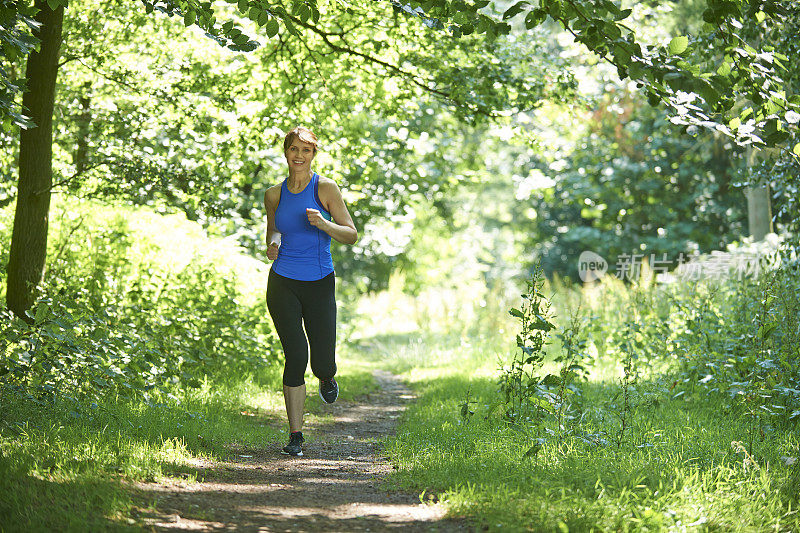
(336,486)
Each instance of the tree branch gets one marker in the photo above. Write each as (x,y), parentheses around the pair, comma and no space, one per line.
(72,178)
(346,49)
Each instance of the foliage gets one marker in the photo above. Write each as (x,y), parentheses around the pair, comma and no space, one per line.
(16,40)
(530,397)
(81,457)
(523,391)
(632,184)
(742,96)
(130,287)
(117,316)
(781,170)
(575,362)
(743,346)
(669,445)
(193,127)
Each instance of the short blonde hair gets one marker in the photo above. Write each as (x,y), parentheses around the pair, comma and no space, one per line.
(302,133)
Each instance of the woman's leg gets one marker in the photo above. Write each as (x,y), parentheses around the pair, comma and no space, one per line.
(294,398)
(319,318)
(286,312)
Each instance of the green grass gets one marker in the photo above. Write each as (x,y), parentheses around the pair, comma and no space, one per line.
(64,467)
(675,470)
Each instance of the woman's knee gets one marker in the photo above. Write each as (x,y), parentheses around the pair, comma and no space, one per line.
(324,368)
(293,377)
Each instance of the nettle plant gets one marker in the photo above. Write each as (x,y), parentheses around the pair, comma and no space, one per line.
(631,341)
(530,398)
(763,372)
(739,342)
(525,397)
(574,361)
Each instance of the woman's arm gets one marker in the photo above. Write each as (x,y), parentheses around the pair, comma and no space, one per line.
(273,235)
(342,227)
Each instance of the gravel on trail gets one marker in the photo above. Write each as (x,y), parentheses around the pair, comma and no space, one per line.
(335,486)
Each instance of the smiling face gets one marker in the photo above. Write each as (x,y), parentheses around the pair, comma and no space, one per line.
(299,155)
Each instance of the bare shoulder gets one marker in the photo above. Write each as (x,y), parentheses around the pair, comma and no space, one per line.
(272,195)
(328,187)
(328,183)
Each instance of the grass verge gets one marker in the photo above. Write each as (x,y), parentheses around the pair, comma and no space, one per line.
(676,469)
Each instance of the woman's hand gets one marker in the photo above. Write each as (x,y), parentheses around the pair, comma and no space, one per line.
(316,219)
(272,251)
(340,227)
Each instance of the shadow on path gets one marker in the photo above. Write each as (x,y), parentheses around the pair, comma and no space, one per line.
(334,487)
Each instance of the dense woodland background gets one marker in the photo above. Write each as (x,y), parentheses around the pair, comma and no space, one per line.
(479,146)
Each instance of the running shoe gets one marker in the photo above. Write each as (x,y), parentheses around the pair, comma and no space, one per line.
(328,390)
(294,448)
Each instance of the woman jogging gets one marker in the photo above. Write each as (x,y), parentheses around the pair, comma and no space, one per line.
(303,213)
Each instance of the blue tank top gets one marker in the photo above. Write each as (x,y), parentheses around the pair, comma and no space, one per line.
(305,251)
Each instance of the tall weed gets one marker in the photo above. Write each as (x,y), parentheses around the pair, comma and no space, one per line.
(524,399)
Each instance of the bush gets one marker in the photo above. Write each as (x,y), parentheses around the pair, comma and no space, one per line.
(134,302)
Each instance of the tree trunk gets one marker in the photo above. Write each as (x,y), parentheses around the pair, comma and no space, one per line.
(759,212)
(759,204)
(29,239)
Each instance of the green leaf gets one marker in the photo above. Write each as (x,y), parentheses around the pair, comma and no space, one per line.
(492,408)
(189,18)
(709,94)
(623,14)
(551,380)
(796,150)
(272,28)
(533,450)
(544,404)
(678,45)
(777,137)
(534,18)
(674,80)
(711,16)
(622,55)
(636,70)
(41,313)
(516,9)
(765,330)
(241,39)
(304,12)
(772,126)
(10,51)
(461,18)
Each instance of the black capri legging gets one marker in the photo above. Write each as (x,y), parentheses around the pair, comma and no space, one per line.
(293,304)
